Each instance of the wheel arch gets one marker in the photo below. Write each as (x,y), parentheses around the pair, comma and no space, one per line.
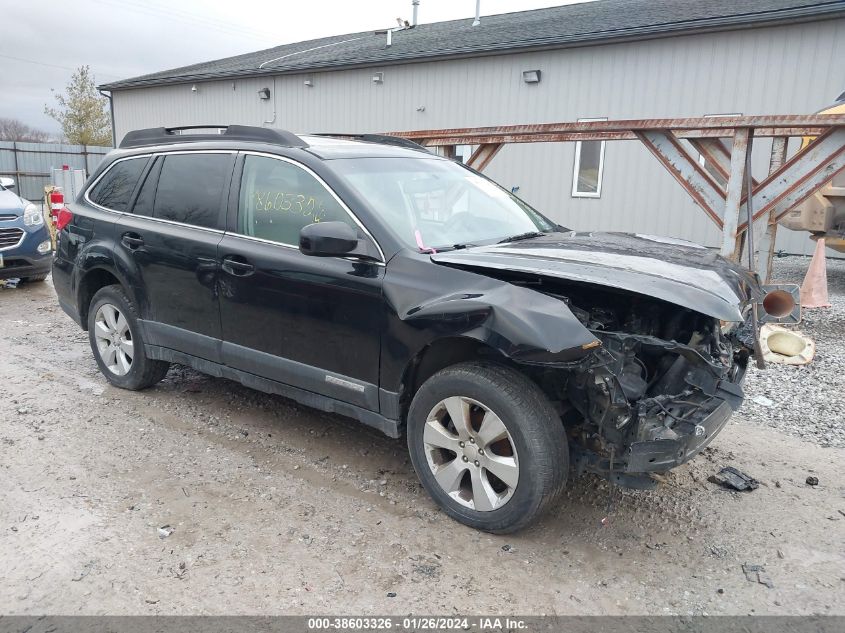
(91,281)
(439,354)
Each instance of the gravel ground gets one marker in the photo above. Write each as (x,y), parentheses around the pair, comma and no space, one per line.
(201,496)
(808,401)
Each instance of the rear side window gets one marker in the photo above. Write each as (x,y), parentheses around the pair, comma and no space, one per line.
(146,196)
(115,188)
(278,198)
(190,189)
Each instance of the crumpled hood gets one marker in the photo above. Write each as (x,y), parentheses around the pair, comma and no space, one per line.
(10,203)
(676,271)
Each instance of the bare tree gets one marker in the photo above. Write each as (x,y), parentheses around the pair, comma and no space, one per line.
(17,130)
(82,111)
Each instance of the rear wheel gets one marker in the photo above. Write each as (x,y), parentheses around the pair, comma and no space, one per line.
(117,343)
(487,446)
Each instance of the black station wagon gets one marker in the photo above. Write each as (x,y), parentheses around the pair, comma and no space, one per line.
(374,279)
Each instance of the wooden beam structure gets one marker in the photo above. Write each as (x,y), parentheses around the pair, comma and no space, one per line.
(719,186)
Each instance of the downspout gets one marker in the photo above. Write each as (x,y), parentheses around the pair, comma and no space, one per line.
(111,115)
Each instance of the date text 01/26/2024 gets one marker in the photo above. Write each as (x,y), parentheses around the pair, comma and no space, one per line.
(415,623)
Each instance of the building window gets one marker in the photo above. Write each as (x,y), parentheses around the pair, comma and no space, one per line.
(589,167)
(463,152)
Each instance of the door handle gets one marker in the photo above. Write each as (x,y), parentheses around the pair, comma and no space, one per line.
(132,241)
(237,267)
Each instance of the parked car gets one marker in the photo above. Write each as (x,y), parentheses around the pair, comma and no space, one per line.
(25,246)
(376,280)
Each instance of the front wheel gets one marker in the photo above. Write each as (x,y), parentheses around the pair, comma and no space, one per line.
(487,446)
(117,343)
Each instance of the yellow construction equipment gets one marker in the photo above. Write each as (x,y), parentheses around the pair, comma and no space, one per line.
(823,213)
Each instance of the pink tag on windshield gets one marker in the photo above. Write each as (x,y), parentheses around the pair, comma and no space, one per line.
(420,244)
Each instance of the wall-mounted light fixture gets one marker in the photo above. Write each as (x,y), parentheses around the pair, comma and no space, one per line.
(531,76)
(378,78)
(309,82)
(194,88)
(264,94)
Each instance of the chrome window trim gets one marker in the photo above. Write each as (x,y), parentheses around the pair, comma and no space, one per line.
(86,196)
(325,186)
(296,248)
(20,241)
(174,223)
(295,163)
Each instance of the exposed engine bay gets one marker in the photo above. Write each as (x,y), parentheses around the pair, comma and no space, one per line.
(662,384)
(670,327)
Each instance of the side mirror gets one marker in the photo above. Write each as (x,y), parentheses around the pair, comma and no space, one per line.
(327,239)
(336,239)
(7,183)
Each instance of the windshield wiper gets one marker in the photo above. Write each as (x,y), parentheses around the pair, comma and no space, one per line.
(521,236)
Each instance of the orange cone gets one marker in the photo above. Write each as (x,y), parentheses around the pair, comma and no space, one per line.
(814,288)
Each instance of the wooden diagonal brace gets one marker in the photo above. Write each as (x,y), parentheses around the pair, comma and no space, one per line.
(800,176)
(699,184)
(482,156)
(717,155)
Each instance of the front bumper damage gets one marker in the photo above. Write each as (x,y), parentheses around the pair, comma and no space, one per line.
(635,424)
(660,455)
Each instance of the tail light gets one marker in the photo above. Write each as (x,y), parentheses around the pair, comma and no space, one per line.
(63,218)
(57,201)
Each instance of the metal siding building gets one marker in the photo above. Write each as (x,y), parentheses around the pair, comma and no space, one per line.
(794,68)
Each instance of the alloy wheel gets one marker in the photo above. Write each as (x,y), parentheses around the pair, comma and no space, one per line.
(471,453)
(114,339)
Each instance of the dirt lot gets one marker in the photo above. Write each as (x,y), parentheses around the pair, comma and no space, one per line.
(278,509)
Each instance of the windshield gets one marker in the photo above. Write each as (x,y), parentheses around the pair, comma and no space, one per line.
(437,204)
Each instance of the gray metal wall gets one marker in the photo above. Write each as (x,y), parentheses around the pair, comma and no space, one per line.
(775,70)
(30,163)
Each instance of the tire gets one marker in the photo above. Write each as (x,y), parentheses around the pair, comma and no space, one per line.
(115,338)
(532,458)
(33,278)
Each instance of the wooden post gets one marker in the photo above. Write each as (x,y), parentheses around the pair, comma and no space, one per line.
(736,180)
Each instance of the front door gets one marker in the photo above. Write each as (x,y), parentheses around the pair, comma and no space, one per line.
(310,322)
(172,236)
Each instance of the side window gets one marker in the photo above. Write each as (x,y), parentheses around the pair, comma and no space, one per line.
(278,198)
(146,197)
(115,188)
(190,188)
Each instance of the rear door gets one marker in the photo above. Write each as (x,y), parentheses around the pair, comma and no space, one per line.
(92,226)
(172,236)
(310,322)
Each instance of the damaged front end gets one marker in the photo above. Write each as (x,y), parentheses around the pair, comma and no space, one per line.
(644,402)
(676,328)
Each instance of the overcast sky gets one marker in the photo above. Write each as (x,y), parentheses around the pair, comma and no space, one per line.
(43,41)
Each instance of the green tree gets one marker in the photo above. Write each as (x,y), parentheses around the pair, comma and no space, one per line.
(82,111)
